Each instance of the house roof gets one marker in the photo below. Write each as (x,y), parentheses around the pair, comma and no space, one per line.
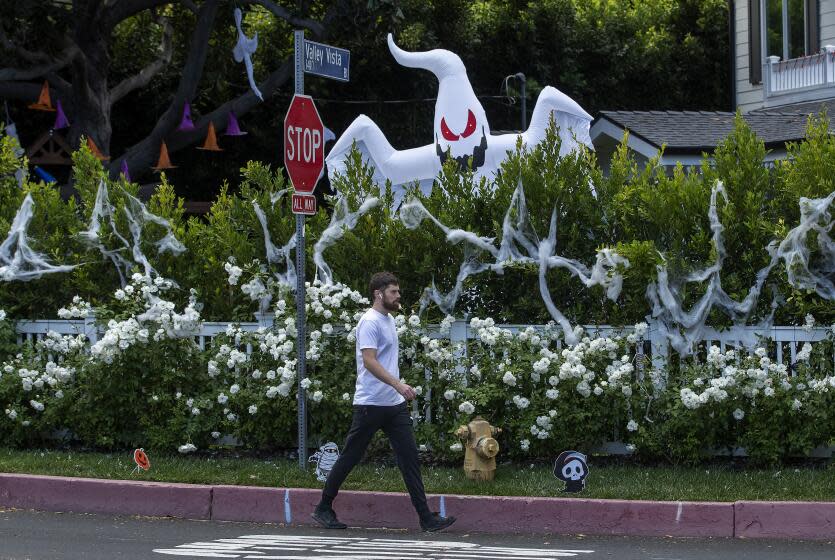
(702,131)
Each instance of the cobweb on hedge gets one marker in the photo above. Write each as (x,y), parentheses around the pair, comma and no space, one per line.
(18,261)
(274,254)
(342,221)
(519,244)
(138,217)
(684,328)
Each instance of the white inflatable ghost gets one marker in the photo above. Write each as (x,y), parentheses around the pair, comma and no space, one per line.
(461,129)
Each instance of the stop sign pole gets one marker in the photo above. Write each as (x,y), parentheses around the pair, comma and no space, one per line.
(301,336)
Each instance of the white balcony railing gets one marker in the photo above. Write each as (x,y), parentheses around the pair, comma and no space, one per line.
(797,75)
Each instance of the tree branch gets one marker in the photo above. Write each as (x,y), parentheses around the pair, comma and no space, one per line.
(35,57)
(43,70)
(314,26)
(146,74)
(141,154)
(122,10)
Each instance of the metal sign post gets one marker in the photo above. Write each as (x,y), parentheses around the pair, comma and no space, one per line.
(304,153)
(300,291)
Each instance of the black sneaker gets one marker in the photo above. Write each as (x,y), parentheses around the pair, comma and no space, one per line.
(436,522)
(327,519)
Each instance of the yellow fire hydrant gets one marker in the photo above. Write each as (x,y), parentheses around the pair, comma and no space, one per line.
(482,448)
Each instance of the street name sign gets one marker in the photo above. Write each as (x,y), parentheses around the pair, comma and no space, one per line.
(326,61)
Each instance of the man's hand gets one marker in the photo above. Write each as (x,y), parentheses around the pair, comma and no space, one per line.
(405,390)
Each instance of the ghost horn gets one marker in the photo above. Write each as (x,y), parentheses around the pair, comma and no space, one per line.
(440,62)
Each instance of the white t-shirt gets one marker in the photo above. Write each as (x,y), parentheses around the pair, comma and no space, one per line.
(377,331)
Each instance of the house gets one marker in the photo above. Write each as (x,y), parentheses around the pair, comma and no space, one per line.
(783,71)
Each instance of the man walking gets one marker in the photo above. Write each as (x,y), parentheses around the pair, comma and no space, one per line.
(380,403)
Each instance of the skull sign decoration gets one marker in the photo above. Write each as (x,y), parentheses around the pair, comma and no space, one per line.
(325,459)
(571,468)
(461,131)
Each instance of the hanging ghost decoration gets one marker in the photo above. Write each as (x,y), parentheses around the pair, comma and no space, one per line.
(571,468)
(461,130)
(325,459)
(243,51)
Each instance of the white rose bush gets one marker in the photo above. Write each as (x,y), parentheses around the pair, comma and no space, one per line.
(145,381)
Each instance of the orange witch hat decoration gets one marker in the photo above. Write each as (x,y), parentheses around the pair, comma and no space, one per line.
(44,102)
(95,150)
(164,162)
(211,140)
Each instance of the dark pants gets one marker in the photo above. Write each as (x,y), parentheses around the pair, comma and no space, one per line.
(396,422)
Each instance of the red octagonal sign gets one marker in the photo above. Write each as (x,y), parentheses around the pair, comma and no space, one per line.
(304,143)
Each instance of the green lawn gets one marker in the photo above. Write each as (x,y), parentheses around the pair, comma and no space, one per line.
(710,483)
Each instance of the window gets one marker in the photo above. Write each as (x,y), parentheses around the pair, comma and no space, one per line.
(786,28)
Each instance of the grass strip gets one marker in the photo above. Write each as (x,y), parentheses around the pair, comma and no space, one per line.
(721,483)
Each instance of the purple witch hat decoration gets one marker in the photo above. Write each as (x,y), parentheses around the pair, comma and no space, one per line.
(232,128)
(186,123)
(124,170)
(60,118)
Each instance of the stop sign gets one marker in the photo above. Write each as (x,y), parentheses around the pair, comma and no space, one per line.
(304,143)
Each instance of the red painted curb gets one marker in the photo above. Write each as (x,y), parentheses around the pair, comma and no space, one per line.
(593,517)
(248,503)
(90,495)
(785,520)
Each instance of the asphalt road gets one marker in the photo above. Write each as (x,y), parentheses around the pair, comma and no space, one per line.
(56,536)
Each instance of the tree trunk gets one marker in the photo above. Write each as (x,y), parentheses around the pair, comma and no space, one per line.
(90,93)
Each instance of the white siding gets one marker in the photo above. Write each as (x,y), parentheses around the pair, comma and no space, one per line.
(748,95)
(827,22)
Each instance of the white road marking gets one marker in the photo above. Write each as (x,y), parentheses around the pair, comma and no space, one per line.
(275,547)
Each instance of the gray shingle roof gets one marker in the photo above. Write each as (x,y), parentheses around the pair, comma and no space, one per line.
(698,131)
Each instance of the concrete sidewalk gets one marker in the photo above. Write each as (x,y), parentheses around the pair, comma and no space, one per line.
(292,506)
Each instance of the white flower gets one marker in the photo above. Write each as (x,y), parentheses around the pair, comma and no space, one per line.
(253,409)
(524,444)
(739,414)
(796,404)
(422,447)
(552,394)
(346,396)
(305,383)
(509,379)
(195,411)
(234,389)
(466,407)
(36,405)
(414,321)
(521,402)
(2,315)
(456,447)
(449,394)
(317,396)
(215,435)
(222,398)
(810,323)
(120,294)
(187,448)
(632,426)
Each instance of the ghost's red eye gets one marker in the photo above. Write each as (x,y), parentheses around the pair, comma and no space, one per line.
(447,133)
(470,125)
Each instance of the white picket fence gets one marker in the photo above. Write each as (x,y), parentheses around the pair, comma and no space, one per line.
(783,341)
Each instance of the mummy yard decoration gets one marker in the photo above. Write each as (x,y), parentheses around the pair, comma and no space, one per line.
(325,459)
(461,130)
